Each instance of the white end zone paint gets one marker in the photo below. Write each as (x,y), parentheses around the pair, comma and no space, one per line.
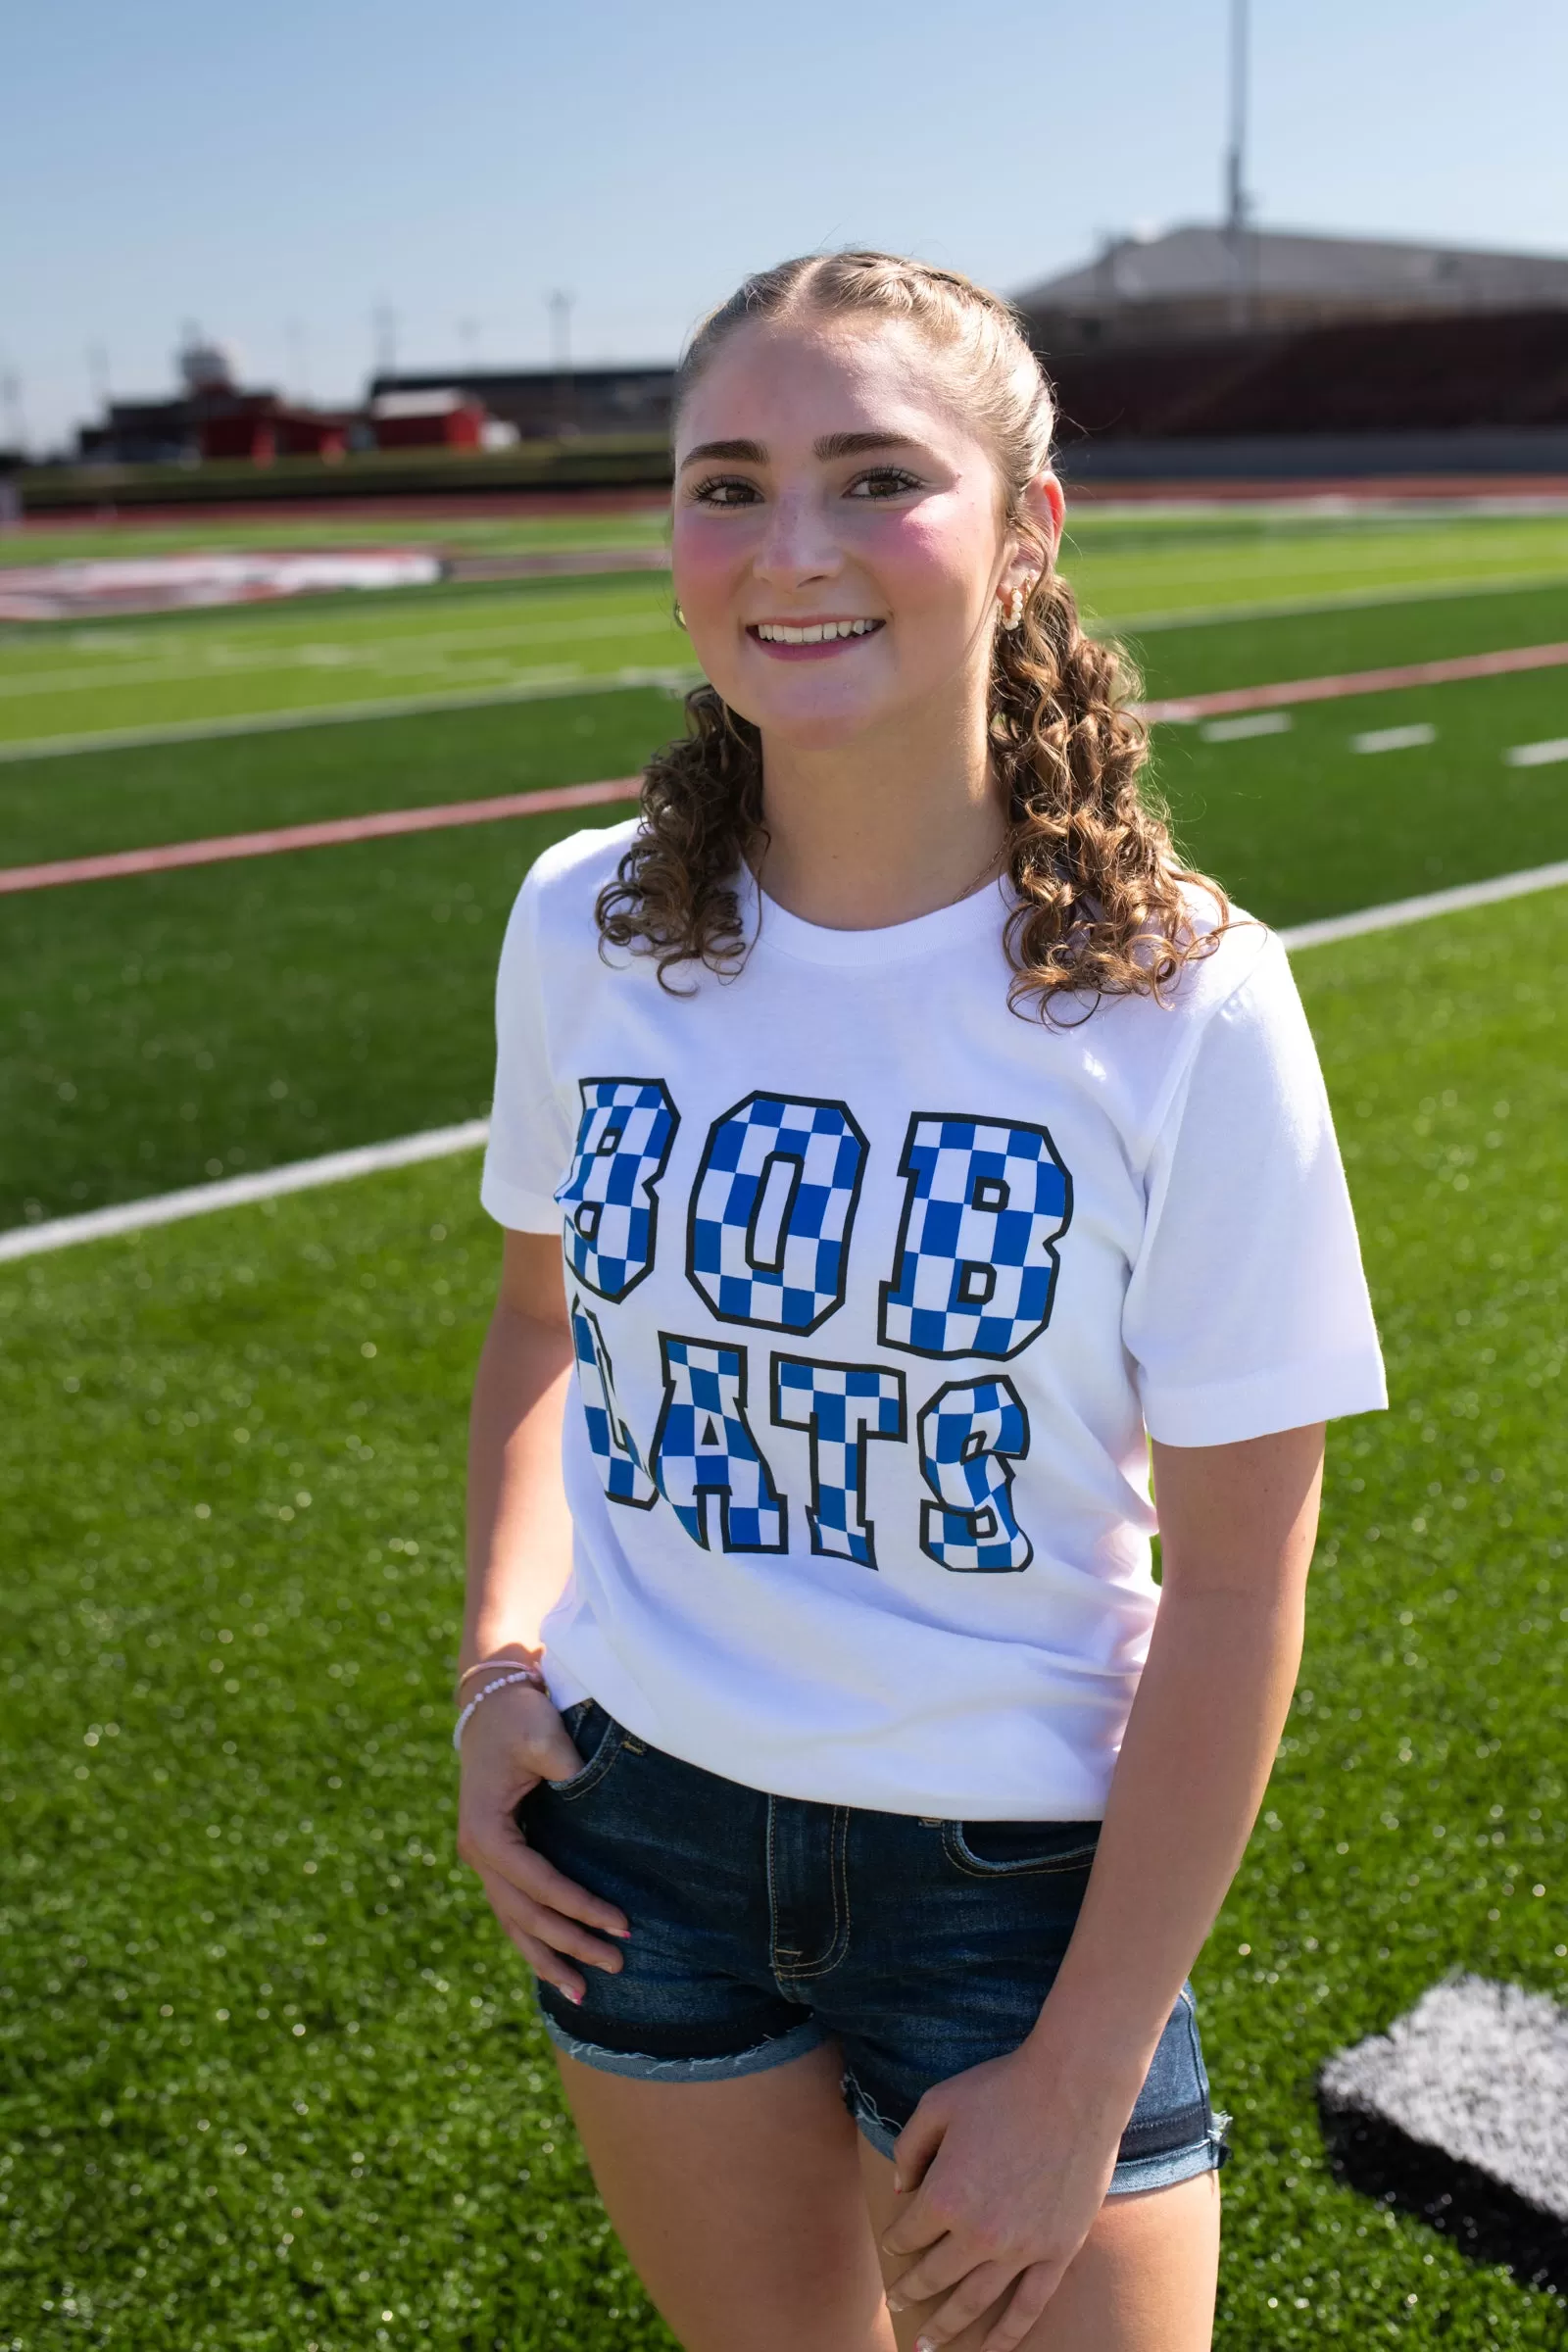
(1476,2070)
(438,1143)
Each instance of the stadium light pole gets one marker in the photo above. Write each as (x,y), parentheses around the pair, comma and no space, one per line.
(384,329)
(294,337)
(1238,204)
(560,304)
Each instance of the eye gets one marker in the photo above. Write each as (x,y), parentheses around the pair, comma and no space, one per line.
(883,481)
(725,490)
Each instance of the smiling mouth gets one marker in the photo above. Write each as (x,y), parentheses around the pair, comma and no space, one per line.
(809,632)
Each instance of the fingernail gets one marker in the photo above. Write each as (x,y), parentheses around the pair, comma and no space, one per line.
(570,1995)
(895,2302)
(924,2343)
(620,1930)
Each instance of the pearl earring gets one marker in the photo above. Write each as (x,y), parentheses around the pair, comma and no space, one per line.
(1012,610)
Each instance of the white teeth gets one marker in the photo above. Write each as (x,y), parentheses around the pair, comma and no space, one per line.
(780,633)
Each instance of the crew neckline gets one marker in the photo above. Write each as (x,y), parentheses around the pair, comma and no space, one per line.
(770,926)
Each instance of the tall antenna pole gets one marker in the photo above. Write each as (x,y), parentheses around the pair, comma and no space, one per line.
(1235,200)
(559,307)
(384,337)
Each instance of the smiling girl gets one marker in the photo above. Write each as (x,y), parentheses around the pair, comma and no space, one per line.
(934,1153)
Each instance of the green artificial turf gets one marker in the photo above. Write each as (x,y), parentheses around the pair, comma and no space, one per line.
(1275,649)
(124,798)
(188,1025)
(268,2072)
(181,669)
(96,800)
(177,670)
(173,1027)
(1131,562)
(521,531)
(1300,825)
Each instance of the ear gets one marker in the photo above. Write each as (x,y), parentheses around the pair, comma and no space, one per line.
(1046,508)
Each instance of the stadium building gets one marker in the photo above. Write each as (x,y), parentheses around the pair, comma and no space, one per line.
(543,403)
(1261,353)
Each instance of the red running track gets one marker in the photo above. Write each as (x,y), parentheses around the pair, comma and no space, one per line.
(332,831)
(223,846)
(1359,681)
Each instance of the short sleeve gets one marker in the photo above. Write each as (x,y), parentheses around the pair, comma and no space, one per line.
(1248,1310)
(530,1145)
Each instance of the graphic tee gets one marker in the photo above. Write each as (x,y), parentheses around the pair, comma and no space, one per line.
(875,1288)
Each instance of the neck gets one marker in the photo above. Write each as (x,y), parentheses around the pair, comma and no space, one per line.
(880,831)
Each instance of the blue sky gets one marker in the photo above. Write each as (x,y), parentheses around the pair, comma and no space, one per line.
(275,173)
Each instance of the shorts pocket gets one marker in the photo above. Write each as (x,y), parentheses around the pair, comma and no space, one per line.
(1015,1850)
(599,1739)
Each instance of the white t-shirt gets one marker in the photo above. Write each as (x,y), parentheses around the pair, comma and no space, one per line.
(876,1288)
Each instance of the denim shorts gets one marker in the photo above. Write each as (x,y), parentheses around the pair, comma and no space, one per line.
(761,1926)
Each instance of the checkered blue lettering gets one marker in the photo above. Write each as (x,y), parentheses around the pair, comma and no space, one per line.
(623,1141)
(772,1211)
(615,1448)
(976,1266)
(970,1434)
(843,1407)
(705,1459)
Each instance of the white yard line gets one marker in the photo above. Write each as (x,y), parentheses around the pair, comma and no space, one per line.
(542,686)
(439,1143)
(200,730)
(1418,910)
(1345,599)
(236,1192)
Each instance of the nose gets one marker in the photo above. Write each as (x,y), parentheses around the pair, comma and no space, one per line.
(799,545)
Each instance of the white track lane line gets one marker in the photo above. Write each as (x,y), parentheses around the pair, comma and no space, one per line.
(440,1143)
(1537,754)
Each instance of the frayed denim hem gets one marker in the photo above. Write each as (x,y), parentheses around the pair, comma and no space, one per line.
(755,2061)
(1132,2174)
(1210,2154)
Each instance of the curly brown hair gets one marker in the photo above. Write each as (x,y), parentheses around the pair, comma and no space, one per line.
(1101,903)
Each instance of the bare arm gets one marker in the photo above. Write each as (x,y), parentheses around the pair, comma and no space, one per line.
(1237,1524)
(520,1555)
(1009,2162)
(519,1534)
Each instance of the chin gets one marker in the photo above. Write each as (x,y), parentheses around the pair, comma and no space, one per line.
(816,724)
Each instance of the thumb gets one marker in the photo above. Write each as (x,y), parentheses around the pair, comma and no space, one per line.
(915,2146)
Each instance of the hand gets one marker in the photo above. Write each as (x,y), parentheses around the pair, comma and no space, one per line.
(1006,2167)
(511,1744)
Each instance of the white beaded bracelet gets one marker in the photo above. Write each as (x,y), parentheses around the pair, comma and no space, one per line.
(503,1682)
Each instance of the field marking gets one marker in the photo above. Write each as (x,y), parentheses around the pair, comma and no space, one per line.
(440,1143)
(218,849)
(1336,686)
(1537,754)
(1345,599)
(1240,730)
(237,1192)
(1477,2072)
(397,650)
(1433,903)
(1396,739)
(542,686)
(47,747)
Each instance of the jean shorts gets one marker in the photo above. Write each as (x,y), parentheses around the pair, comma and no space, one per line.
(761,1926)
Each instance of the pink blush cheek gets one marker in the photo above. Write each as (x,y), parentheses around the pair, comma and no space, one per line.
(926,557)
(708,566)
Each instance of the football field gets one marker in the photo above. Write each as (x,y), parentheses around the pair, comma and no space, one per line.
(270,2073)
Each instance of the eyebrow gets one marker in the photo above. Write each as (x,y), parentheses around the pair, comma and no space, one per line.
(831,445)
